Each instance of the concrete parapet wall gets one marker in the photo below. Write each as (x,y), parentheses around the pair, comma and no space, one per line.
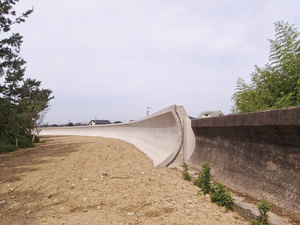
(159,136)
(255,153)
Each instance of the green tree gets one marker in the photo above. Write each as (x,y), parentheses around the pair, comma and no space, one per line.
(277,85)
(22,102)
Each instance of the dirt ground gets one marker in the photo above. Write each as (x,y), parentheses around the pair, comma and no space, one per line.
(92,180)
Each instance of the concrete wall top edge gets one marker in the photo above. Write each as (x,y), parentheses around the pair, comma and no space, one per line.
(277,117)
(159,113)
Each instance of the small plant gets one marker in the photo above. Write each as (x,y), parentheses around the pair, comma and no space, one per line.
(217,191)
(263,209)
(185,173)
(203,180)
(221,196)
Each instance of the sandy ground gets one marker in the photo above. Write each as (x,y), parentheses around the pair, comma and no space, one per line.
(92,180)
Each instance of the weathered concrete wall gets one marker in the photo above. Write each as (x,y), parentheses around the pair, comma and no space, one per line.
(255,153)
(160,136)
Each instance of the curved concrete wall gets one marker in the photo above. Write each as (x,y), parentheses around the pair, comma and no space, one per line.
(255,153)
(160,135)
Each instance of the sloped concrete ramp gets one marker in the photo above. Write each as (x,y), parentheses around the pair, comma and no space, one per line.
(160,136)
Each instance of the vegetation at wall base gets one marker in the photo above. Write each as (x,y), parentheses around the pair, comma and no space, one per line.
(221,196)
(203,180)
(185,173)
(217,191)
(277,85)
(263,209)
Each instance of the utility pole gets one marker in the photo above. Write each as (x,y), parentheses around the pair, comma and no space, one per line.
(148,111)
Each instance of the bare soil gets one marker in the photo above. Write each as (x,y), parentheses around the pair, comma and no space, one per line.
(93,180)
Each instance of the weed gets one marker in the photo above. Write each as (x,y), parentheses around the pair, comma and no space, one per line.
(185,173)
(203,180)
(217,191)
(221,196)
(263,209)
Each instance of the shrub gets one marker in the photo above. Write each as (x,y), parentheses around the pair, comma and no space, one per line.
(36,139)
(217,192)
(185,173)
(11,139)
(6,147)
(25,142)
(203,180)
(263,209)
(221,196)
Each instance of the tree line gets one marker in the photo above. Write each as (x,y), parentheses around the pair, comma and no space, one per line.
(277,84)
(23,103)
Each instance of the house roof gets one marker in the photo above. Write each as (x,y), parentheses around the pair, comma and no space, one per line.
(210,114)
(100,122)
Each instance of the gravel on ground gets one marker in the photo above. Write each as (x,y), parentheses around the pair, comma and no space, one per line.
(94,180)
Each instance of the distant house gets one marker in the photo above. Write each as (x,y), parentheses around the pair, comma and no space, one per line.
(99,122)
(210,114)
(79,124)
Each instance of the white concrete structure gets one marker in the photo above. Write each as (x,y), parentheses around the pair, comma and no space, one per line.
(162,136)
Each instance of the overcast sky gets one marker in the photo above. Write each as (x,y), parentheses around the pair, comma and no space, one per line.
(112,59)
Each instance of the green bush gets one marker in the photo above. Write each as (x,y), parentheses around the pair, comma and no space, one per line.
(221,196)
(203,180)
(7,147)
(36,139)
(263,209)
(25,142)
(8,144)
(185,173)
(11,139)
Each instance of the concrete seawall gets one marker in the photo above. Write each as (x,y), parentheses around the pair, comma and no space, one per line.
(160,136)
(255,153)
